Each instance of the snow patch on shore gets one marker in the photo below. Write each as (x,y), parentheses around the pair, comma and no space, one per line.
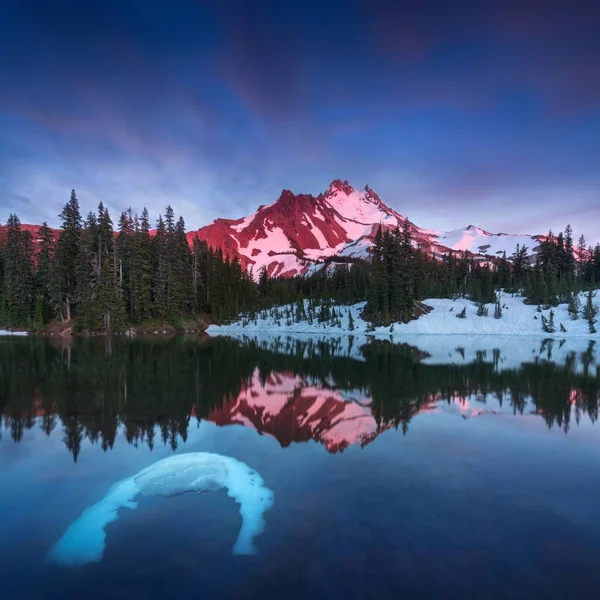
(518,319)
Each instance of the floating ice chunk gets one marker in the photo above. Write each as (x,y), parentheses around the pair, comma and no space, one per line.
(84,540)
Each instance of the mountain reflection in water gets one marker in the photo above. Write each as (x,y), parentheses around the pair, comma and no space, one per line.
(336,391)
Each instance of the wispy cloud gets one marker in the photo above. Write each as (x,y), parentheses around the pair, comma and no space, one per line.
(454,114)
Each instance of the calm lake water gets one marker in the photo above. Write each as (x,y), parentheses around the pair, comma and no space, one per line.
(444,467)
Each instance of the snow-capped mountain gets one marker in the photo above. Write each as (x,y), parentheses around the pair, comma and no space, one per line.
(297,233)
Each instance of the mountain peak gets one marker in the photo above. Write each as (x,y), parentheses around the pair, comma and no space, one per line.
(337,185)
(301,234)
(286,194)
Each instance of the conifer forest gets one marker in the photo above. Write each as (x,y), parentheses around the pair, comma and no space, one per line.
(105,277)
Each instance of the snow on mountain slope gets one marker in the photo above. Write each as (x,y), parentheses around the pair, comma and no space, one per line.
(297,233)
(479,241)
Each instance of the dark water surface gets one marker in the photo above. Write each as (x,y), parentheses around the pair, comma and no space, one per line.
(441,468)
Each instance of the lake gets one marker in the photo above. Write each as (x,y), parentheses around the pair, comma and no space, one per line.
(441,467)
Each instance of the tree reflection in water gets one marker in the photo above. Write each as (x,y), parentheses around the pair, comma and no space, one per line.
(337,391)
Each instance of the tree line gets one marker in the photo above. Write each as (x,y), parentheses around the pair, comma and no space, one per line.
(96,276)
(97,280)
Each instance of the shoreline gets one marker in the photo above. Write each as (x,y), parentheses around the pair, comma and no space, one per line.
(518,320)
(63,330)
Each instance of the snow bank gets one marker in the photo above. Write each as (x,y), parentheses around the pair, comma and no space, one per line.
(84,540)
(517,319)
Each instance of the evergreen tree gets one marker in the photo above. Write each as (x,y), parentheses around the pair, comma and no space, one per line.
(590,311)
(142,270)
(126,251)
(350,321)
(581,259)
(568,266)
(18,286)
(64,284)
(374,304)
(482,310)
(548,324)
(574,306)
(43,276)
(88,275)
(161,269)
(300,313)
(519,260)
(180,286)
(110,293)
(498,309)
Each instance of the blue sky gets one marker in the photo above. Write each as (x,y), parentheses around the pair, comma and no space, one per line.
(454,112)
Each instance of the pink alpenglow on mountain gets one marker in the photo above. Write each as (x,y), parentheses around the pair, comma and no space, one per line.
(297,233)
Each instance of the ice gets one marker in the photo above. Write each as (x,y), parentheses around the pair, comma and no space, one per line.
(85,539)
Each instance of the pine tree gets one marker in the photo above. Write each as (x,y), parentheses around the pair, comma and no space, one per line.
(519,260)
(574,306)
(43,276)
(160,277)
(263,283)
(300,314)
(64,283)
(590,311)
(126,253)
(408,273)
(142,270)
(180,260)
(199,281)
(503,272)
(548,324)
(110,293)
(18,274)
(581,259)
(568,266)
(498,309)
(88,275)
(482,310)
(376,293)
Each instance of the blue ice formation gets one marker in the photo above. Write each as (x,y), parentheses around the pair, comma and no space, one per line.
(84,540)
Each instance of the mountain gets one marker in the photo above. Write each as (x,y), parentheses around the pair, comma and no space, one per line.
(298,233)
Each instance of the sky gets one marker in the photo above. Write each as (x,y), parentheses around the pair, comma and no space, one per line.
(455,113)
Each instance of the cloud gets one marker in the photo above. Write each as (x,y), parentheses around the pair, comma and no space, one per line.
(217,106)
